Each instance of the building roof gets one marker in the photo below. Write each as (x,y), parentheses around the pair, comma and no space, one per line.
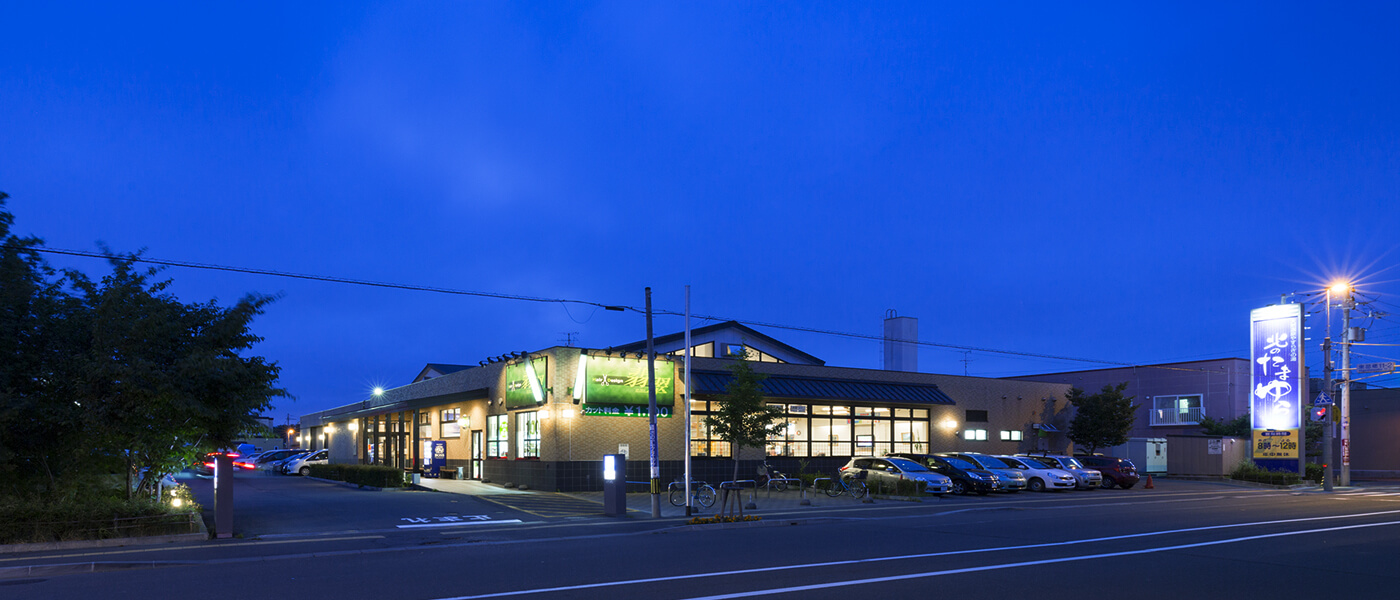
(787,386)
(748,332)
(440,369)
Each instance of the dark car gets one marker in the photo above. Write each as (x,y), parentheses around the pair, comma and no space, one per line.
(1119,472)
(967,477)
(1008,479)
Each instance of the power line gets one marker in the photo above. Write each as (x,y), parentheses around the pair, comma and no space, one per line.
(303,276)
(562,301)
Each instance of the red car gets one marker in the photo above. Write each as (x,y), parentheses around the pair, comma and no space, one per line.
(206,465)
(1119,472)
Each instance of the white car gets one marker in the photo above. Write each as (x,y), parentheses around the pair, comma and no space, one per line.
(301,464)
(1040,478)
(1085,479)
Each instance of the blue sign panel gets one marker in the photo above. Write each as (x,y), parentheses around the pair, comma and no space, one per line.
(1276,344)
(435,460)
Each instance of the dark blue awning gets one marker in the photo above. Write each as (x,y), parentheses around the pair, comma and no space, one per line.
(781,386)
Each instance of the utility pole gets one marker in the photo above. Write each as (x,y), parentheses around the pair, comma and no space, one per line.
(1327,389)
(651,413)
(1346,388)
(689,508)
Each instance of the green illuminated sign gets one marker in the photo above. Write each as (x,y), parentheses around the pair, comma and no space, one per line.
(526,382)
(622,382)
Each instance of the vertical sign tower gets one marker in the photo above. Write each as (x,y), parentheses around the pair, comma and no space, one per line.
(1277,381)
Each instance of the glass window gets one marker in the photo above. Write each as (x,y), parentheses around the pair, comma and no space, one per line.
(449,425)
(1176,410)
(976,416)
(977,435)
(527,432)
(1010,436)
(921,413)
(497,436)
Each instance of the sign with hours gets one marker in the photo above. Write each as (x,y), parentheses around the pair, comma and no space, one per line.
(1276,443)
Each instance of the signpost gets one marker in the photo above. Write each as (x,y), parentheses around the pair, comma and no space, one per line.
(1277,384)
(1376,367)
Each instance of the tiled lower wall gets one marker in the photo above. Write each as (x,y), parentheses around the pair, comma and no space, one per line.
(582,476)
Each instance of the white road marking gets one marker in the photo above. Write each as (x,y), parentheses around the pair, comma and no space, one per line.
(1031,563)
(459,524)
(925,555)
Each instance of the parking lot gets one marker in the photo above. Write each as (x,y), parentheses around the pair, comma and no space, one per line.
(278,505)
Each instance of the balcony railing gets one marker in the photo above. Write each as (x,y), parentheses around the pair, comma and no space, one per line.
(1175,416)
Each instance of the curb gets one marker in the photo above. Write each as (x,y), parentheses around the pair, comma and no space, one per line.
(367,488)
(88,567)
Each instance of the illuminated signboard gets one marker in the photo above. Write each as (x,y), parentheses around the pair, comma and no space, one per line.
(526,382)
(1276,379)
(617,387)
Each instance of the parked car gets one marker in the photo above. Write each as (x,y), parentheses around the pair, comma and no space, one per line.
(205,466)
(1008,479)
(261,459)
(301,464)
(1085,478)
(275,465)
(1040,478)
(966,477)
(890,470)
(1116,471)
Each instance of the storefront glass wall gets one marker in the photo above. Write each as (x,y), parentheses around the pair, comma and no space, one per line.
(828,430)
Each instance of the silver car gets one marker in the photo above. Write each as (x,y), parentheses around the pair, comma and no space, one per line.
(1040,478)
(1085,478)
(1008,479)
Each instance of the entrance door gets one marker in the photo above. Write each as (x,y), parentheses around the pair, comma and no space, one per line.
(476,454)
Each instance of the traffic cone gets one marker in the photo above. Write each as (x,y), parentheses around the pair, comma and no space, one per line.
(1149,483)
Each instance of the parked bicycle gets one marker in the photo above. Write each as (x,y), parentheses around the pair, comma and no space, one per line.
(770,477)
(701,494)
(855,486)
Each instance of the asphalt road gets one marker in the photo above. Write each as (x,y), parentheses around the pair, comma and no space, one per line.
(1183,539)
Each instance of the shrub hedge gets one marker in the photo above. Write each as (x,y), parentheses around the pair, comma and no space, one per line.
(367,475)
(33,520)
(1247,470)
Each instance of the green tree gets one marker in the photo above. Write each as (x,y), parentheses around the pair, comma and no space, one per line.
(115,375)
(743,419)
(40,333)
(1237,427)
(1103,419)
(165,380)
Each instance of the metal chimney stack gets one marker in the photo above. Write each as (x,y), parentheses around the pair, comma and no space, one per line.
(901,347)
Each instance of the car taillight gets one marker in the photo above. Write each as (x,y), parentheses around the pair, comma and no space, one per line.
(844,468)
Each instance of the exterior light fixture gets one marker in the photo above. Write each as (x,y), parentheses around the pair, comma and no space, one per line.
(581,377)
(177,503)
(1340,287)
(378,391)
(949,424)
(329,429)
(353,425)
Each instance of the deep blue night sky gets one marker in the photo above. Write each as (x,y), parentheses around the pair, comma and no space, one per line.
(1113,184)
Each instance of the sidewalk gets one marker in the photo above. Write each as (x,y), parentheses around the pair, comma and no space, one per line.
(639,502)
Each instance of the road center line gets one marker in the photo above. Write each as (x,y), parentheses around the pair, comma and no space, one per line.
(806,588)
(926,555)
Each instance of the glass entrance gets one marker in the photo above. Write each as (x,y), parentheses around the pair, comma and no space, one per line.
(476,454)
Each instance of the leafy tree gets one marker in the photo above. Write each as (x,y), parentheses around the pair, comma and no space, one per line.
(1103,419)
(1237,427)
(743,419)
(116,375)
(40,332)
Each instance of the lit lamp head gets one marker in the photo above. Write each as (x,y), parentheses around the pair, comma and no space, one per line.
(378,391)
